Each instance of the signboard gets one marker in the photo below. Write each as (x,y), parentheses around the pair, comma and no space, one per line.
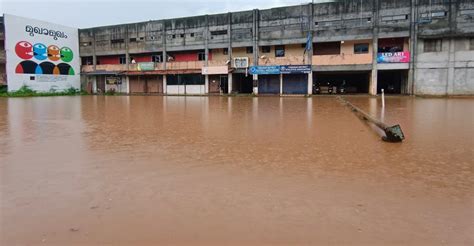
(145,66)
(393,57)
(264,70)
(215,70)
(41,55)
(295,69)
(241,62)
(113,80)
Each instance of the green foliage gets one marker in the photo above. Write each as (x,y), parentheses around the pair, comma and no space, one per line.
(26,91)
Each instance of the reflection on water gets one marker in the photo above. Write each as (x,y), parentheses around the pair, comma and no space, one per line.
(239,169)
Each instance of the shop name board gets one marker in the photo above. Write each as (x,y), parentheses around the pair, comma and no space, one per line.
(393,57)
(295,69)
(264,70)
(287,69)
(146,66)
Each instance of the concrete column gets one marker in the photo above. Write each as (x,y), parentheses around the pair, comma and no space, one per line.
(310,83)
(413,48)
(127,54)
(281,84)
(451,70)
(94,84)
(127,80)
(94,56)
(373,80)
(255,48)
(229,82)
(206,83)
(163,42)
(164,84)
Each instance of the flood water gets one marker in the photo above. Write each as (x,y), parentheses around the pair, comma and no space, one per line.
(148,170)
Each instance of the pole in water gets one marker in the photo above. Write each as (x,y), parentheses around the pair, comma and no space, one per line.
(383,99)
(393,134)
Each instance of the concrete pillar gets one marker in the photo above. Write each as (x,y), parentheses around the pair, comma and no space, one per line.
(127,54)
(255,48)
(281,84)
(310,83)
(413,48)
(94,84)
(373,80)
(94,56)
(163,43)
(451,70)
(164,84)
(229,83)
(206,83)
(127,80)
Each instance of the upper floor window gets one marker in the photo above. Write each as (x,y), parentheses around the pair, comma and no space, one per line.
(471,43)
(266,49)
(361,48)
(328,48)
(249,50)
(279,51)
(225,51)
(122,60)
(157,58)
(433,45)
(201,56)
(117,41)
(220,32)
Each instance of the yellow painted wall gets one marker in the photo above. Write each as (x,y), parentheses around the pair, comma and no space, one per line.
(347,56)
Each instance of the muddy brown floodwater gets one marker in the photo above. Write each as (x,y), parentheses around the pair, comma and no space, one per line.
(155,170)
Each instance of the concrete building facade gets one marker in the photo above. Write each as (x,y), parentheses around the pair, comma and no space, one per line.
(420,47)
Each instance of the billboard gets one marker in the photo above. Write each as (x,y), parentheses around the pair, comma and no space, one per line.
(393,57)
(41,55)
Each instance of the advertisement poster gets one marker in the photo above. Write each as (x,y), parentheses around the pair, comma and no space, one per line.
(393,57)
(41,55)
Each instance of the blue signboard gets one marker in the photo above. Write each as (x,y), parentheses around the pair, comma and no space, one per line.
(264,70)
(295,69)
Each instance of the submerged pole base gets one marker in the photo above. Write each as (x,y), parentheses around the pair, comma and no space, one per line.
(393,134)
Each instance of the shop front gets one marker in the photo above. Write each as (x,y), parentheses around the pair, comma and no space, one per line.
(295,79)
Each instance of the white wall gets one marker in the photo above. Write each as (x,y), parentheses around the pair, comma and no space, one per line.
(38,52)
(189,90)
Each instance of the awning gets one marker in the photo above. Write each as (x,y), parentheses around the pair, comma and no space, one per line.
(164,72)
(103,72)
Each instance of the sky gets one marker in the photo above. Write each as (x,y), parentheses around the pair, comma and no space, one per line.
(89,13)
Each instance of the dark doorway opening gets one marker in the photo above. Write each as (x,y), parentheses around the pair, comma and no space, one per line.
(392,81)
(242,84)
(349,81)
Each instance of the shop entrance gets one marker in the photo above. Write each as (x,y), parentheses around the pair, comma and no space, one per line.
(341,82)
(242,83)
(392,81)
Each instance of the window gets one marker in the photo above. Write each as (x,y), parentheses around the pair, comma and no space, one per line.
(221,32)
(87,60)
(329,48)
(191,34)
(201,56)
(133,39)
(182,35)
(266,49)
(361,48)
(249,50)
(174,36)
(185,79)
(433,45)
(157,58)
(117,41)
(471,43)
(122,60)
(225,51)
(86,44)
(279,51)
